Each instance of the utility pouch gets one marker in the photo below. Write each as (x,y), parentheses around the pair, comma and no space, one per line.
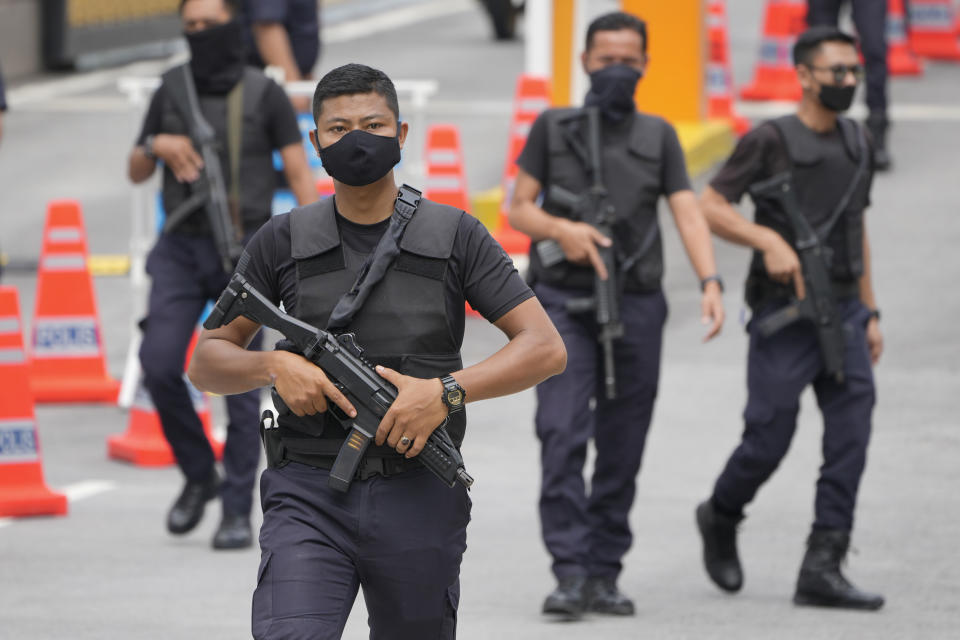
(272,444)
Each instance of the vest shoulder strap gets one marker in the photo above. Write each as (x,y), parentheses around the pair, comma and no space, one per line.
(432,231)
(255,85)
(646,136)
(313,229)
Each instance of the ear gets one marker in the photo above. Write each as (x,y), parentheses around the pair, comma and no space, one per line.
(402,133)
(314,141)
(583,62)
(805,77)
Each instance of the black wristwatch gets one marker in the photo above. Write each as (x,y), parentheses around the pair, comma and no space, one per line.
(453,394)
(148,147)
(875,313)
(709,279)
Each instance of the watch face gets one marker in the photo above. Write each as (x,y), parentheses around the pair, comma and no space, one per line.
(454,397)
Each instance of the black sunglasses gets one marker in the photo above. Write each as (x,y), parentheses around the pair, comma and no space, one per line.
(840,71)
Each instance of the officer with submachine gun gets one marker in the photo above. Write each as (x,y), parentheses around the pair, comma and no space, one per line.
(815,320)
(588,184)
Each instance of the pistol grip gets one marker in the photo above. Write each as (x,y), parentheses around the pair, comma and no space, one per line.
(348,459)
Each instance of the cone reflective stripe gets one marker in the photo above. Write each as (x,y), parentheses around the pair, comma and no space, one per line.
(901,61)
(23,491)
(719,76)
(143,443)
(446,180)
(67,362)
(531,99)
(934,31)
(775,77)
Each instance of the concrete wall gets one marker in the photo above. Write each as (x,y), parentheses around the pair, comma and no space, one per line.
(19,37)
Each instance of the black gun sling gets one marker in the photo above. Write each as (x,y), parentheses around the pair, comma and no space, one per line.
(321,452)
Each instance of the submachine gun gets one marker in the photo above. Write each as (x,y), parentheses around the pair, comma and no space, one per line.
(210,189)
(341,358)
(818,306)
(594,207)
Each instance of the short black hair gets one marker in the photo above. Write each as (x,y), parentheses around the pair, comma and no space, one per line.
(808,43)
(614,22)
(351,79)
(233,6)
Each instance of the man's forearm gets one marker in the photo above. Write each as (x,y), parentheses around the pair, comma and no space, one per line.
(694,232)
(866,280)
(727,223)
(526,217)
(140,167)
(273,43)
(220,366)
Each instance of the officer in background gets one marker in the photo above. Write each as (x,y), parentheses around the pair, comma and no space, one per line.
(870,18)
(185,266)
(285,34)
(587,535)
(827,157)
(398,531)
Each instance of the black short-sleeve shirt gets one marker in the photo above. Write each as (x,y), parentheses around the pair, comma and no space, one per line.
(278,115)
(478,266)
(535,157)
(761,154)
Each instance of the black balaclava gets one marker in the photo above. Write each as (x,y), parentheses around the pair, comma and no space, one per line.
(217,57)
(612,89)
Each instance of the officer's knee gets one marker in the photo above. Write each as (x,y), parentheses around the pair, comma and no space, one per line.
(158,362)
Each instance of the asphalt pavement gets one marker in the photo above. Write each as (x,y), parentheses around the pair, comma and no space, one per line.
(110,570)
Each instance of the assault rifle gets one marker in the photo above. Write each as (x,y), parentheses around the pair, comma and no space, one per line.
(341,358)
(818,305)
(210,189)
(593,206)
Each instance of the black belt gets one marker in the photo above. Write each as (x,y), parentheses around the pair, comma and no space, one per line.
(370,466)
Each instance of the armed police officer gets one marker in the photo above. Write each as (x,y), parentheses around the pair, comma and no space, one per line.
(362,265)
(214,124)
(815,319)
(601,237)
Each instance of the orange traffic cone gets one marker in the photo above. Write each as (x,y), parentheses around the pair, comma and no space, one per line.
(901,60)
(719,78)
(22,489)
(934,32)
(143,443)
(446,181)
(775,77)
(68,363)
(325,187)
(532,97)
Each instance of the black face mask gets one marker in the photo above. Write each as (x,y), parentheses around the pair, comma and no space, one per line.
(360,158)
(612,89)
(217,57)
(836,98)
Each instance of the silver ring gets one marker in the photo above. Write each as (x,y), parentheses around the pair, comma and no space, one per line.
(405,441)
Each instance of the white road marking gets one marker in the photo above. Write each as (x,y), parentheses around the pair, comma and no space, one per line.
(75,492)
(898,112)
(394,19)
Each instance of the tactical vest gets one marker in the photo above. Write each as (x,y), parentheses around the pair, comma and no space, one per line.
(257,181)
(631,166)
(403,325)
(844,243)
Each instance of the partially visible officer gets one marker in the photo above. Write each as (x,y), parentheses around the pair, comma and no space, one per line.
(870,18)
(185,266)
(587,535)
(285,34)
(828,159)
(398,531)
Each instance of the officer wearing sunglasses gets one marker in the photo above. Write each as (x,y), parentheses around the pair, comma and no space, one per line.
(827,157)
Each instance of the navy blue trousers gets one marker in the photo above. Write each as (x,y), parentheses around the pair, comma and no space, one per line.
(870,19)
(399,538)
(186,273)
(778,370)
(587,533)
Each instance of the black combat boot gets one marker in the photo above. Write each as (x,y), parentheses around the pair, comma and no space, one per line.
(567,600)
(602,596)
(878,124)
(186,512)
(234,532)
(720,557)
(820,582)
